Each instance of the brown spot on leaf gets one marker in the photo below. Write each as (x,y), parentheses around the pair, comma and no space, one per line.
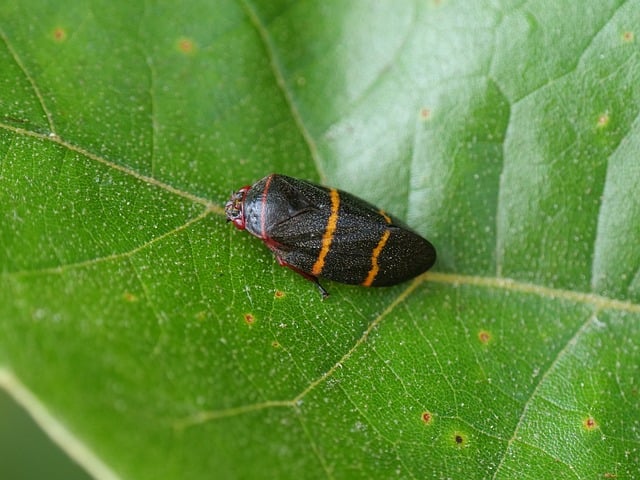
(249,318)
(186,46)
(59,34)
(427,417)
(484,336)
(603,120)
(129,297)
(590,423)
(460,439)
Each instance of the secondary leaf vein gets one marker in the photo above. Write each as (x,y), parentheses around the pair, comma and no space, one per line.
(32,82)
(277,70)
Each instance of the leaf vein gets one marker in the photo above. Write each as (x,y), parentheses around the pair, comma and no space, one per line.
(116,256)
(121,168)
(36,90)
(536,391)
(277,69)
(598,303)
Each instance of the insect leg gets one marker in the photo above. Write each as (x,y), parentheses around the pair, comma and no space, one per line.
(306,275)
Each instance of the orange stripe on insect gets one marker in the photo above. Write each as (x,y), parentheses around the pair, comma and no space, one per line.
(386,217)
(371,276)
(329,232)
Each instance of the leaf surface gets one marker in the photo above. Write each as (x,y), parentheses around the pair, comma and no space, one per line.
(173,346)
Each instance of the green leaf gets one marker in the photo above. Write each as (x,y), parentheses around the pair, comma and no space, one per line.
(164,343)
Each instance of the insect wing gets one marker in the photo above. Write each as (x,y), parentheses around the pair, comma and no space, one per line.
(366,246)
(373,248)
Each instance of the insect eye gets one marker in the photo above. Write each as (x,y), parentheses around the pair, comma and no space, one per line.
(234,208)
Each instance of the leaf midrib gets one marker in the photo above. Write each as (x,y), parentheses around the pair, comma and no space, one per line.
(502,283)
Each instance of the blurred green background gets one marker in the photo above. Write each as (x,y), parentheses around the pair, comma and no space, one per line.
(27,452)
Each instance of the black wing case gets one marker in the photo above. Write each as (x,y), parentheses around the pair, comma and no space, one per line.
(297,221)
(366,247)
(375,249)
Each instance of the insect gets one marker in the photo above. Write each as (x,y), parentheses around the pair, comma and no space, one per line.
(324,232)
